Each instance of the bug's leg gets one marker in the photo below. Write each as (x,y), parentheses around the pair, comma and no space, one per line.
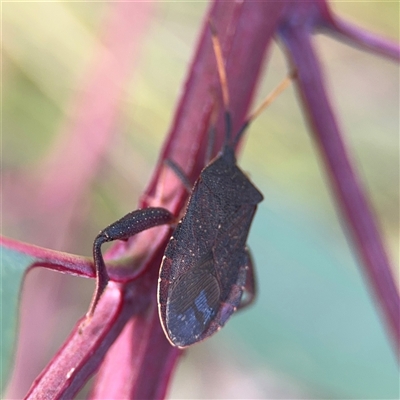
(180,174)
(249,289)
(209,151)
(129,225)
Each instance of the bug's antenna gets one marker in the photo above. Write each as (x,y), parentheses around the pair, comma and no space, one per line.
(222,77)
(267,101)
(271,97)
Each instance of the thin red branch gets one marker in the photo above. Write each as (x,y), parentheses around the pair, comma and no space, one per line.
(82,352)
(142,346)
(51,259)
(345,183)
(363,39)
(134,352)
(320,17)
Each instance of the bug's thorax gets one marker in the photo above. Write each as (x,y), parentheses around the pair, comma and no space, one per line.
(222,164)
(227,181)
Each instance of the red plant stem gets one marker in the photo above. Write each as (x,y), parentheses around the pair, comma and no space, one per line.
(84,350)
(364,39)
(351,199)
(134,353)
(141,348)
(78,359)
(327,21)
(51,259)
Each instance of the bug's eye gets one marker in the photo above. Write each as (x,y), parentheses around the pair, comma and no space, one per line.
(193,303)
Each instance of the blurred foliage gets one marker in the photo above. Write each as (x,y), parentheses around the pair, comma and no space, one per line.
(314,331)
(13,267)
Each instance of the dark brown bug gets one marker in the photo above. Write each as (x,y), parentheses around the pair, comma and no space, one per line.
(206,263)
(206,267)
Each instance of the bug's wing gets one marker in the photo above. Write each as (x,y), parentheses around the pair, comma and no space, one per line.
(188,291)
(193,302)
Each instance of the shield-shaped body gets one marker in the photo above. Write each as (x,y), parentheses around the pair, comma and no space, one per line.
(204,268)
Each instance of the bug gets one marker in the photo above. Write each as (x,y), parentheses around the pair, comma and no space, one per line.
(206,268)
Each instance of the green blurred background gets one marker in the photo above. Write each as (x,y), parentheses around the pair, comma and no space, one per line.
(314,331)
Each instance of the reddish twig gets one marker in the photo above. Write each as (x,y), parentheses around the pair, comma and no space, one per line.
(345,183)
